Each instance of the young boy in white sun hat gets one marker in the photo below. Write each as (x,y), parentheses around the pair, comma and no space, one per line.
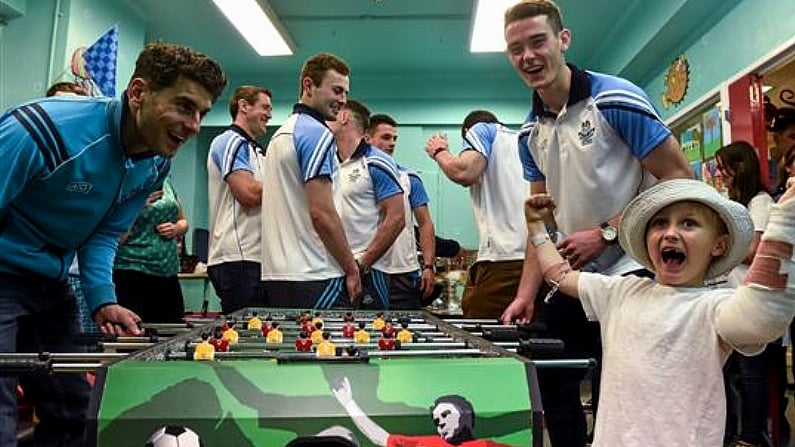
(665,340)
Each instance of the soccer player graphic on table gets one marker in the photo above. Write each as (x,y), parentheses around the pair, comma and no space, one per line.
(452,415)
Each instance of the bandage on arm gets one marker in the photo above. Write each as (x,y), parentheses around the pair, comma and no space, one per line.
(772,264)
(556,270)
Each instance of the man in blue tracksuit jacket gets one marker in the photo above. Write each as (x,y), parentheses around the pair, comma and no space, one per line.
(76,171)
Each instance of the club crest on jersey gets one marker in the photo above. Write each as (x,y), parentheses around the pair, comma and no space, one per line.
(586,133)
(79,187)
(355,175)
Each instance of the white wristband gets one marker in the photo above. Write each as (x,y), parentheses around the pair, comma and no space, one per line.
(540,239)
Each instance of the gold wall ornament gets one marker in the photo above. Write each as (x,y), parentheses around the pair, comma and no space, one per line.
(676,81)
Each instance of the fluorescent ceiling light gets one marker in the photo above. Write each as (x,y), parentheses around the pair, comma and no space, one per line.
(259,25)
(487,28)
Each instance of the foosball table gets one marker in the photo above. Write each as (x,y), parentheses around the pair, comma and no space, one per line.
(275,377)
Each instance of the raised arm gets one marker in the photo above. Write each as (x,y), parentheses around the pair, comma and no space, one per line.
(342,391)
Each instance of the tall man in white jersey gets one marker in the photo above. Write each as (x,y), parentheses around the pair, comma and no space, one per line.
(593,142)
(489,166)
(235,199)
(407,282)
(306,259)
(372,209)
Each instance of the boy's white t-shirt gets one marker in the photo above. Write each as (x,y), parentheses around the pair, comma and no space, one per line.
(662,378)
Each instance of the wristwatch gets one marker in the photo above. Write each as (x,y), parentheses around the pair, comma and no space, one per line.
(363,268)
(431,267)
(609,233)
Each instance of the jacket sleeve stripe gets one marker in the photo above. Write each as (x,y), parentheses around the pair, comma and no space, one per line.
(45,152)
(59,144)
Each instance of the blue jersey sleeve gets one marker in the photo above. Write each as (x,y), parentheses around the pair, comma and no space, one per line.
(96,256)
(315,148)
(231,155)
(418,196)
(630,112)
(530,170)
(384,173)
(480,138)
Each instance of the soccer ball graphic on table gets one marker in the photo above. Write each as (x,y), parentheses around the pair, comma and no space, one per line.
(174,436)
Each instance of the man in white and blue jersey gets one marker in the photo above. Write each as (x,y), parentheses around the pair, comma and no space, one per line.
(409,282)
(306,259)
(372,208)
(76,173)
(603,136)
(489,166)
(235,198)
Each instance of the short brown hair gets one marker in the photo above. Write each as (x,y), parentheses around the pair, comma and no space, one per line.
(162,64)
(360,112)
(69,87)
(377,120)
(316,67)
(474,117)
(527,9)
(248,92)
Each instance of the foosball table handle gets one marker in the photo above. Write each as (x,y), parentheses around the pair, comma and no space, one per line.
(15,364)
(540,347)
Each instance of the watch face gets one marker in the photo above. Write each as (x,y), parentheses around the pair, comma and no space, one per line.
(609,233)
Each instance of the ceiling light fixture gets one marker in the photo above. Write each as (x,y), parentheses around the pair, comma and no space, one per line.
(487,34)
(258,24)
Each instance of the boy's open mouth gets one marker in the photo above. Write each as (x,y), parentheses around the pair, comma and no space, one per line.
(672,257)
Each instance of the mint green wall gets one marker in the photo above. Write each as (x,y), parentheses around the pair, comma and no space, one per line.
(750,31)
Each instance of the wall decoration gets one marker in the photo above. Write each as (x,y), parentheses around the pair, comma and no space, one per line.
(711,124)
(676,81)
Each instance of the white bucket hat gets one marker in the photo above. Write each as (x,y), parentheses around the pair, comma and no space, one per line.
(636,216)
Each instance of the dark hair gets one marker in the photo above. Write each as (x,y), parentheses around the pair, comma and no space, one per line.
(786,159)
(316,67)
(360,112)
(248,92)
(782,119)
(527,9)
(378,119)
(161,64)
(69,87)
(741,158)
(478,116)
(467,420)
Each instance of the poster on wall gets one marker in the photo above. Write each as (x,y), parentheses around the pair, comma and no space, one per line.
(690,141)
(712,131)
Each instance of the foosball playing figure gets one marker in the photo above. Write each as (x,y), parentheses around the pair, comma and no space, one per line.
(317,319)
(254,323)
(388,328)
(317,334)
(267,325)
(275,335)
(386,343)
(405,335)
(378,322)
(348,329)
(303,343)
(326,348)
(218,341)
(361,337)
(204,350)
(231,334)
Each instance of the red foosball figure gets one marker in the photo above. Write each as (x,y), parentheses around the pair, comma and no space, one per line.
(303,343)
(218,342)
(386,343)
(348,317)
(267,326)
(388,328)
(348,329)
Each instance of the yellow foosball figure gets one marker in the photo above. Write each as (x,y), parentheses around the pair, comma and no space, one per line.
(405,336)
(379,322)
(255,324)
(275,335)
(231,334)
(317,319)
(317,334)
(361,337)
(326,348)
(204,350)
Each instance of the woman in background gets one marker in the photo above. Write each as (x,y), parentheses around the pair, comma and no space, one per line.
(738,168)
(147,263)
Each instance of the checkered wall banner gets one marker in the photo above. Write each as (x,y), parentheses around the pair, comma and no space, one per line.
(100,60)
